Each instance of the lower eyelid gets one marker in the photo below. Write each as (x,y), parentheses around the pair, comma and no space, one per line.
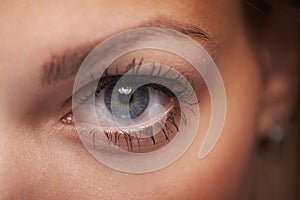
(105,137)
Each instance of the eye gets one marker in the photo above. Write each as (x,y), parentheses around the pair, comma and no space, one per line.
(116,119)
(133,114)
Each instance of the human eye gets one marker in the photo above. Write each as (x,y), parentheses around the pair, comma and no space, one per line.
(138,111)
(142,116)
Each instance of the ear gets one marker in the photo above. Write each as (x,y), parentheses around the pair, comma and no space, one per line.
(280,57)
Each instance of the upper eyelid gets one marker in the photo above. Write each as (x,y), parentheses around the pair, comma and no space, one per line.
(107,76)
(64,66)
(118,70)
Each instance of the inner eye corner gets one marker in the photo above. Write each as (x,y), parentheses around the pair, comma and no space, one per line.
(68,119)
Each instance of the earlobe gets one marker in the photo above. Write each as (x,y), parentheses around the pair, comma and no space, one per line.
(280,64)
(279,92)
(277,103)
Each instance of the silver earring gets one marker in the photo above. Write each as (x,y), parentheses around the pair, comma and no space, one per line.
(277,133)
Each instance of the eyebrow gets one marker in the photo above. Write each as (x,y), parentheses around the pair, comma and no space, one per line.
(63,66)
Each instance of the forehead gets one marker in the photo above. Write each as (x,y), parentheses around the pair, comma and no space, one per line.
(31,31)
(57,16)
(49,24)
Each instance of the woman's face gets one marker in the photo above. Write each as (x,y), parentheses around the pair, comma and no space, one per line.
(42,157)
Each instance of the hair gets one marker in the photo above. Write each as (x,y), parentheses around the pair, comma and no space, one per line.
(276,173)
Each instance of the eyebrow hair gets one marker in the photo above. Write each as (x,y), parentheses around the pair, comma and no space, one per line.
(64,66)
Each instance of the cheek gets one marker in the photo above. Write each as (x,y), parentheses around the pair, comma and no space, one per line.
(224,173)
(229,164)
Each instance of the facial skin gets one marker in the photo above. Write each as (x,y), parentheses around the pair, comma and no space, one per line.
(39,162)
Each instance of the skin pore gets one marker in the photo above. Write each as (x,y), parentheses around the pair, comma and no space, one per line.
(39,162)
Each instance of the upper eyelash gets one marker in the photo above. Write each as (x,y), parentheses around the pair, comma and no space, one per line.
(183,94)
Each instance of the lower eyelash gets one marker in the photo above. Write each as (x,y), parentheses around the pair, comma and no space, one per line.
(130,138)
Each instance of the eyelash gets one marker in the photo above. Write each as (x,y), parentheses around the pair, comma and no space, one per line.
(182,94)
(115,137)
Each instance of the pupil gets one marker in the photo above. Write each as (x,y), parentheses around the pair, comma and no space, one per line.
(125,99)
(126,105)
